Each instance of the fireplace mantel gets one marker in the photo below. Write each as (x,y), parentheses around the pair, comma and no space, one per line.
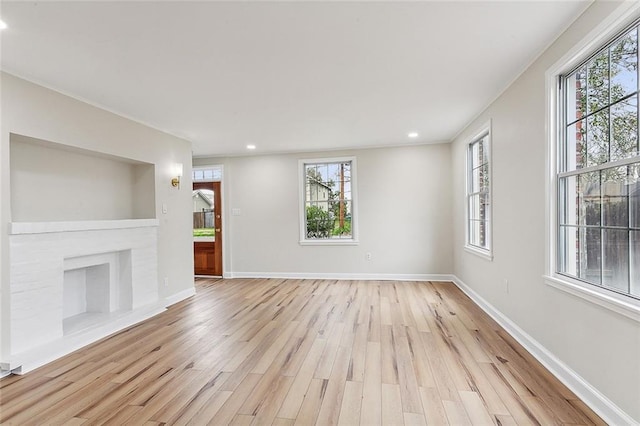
(18,228)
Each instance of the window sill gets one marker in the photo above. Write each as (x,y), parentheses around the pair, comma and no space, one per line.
(485,254)
(336,242)
(623,305)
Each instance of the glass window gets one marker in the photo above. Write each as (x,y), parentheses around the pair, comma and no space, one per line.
(479,194)
(328,213)
(207,174)
(599,169)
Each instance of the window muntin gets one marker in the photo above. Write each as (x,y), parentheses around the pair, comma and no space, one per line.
(599,169)
(328,200)
(479,194)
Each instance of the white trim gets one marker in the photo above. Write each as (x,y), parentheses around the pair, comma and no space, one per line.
(342,276)
(621,304)
(17,228)
(623,16)
(603,406)
(179,296)
(485,254)
(330,242)
(485,130)
(302,199)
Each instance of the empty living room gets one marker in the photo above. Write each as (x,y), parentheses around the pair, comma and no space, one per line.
(320,212)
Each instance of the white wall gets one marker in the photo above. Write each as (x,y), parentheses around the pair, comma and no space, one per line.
(404,214)
(36,112)
(600,345)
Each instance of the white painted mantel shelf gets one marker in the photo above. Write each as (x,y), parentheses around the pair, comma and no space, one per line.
(75,282)
(18,228)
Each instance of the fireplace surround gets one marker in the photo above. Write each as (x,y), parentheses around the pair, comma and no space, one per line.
(75,282)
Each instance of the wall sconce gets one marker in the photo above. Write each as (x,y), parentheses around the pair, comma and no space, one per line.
(177,173)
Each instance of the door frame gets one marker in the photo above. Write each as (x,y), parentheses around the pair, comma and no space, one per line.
(226,225)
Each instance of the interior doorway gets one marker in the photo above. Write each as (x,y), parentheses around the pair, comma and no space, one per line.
(207,228)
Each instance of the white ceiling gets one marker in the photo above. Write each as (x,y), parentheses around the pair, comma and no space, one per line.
(284,76)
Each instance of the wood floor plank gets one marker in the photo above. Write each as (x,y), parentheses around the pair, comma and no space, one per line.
(313,398)
(371,412)
(303,352)
(295,397)
(433,409)
(392,408)
(351,404)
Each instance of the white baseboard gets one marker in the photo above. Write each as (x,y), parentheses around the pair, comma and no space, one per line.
(603,406)
(341,276)
(179,296)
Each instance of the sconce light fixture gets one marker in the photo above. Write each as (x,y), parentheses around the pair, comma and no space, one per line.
(177,174)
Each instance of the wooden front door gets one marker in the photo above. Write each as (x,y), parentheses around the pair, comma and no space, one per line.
(207,228)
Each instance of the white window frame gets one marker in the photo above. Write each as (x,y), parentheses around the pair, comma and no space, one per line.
(623,16)
(485,131)
(354,203)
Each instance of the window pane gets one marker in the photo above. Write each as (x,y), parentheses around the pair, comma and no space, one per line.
(633,189)
(590,254)
(319,221)
(475,179)
(568,202)
(576,145)
(482,237)
(615,208)
(577,95)
(484,207)
(347,172)
(484,177)
(635,262)
(474,206)
(598,82)
(475,150)
(474,232)
(598,138)
(616,259)
(333,173)
(624,66)
(624,129)
(589,199)
(568,250)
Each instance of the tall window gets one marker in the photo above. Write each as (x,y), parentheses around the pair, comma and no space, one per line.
(479,195)
(328,200)
(598,179)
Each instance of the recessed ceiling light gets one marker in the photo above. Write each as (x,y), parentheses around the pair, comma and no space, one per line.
(251,147)
(3,25)
(413,135)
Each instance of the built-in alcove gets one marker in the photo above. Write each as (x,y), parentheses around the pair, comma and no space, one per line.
(56,182)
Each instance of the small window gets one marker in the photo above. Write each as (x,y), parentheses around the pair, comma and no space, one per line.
(207,174)
(479,194)
(598,170)
(327,201)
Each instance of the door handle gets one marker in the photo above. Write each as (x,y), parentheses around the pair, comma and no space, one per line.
(218,230)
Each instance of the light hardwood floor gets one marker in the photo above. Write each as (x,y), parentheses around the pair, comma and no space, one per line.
(305,352)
